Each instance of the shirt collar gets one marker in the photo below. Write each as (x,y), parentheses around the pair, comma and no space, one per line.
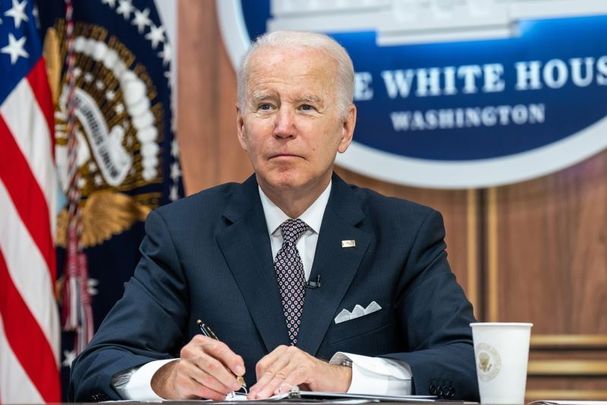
(312,216)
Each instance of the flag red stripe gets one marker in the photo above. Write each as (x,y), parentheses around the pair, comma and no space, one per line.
(26,194)
(26,338)
(39,84)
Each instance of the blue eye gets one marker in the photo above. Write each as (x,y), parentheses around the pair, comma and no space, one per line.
(265,106)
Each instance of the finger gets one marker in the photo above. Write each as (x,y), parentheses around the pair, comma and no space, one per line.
(189,388)
(270,359)
(281,383)
(265,369)
(208,393)
(284,379)
(222,352)
(211,356)
(285,387)
(272,370)
(204,379)
(216,373)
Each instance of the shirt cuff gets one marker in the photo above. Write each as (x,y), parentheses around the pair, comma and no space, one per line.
(136,384)
(375,375)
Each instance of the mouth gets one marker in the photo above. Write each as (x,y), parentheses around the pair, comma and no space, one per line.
(284,156)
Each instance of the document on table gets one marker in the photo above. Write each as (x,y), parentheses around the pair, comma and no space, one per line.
(335,396)
(329,397)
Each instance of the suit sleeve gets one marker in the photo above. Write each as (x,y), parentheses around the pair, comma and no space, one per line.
(146,324)
(435,316)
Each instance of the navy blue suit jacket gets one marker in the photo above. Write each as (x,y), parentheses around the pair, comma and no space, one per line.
(208,257)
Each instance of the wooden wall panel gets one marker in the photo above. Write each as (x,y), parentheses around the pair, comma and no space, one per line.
(547,264)
(198,93)
(206,124)
(552,251)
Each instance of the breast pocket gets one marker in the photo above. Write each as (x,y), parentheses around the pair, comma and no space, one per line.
(368,335)
(361,325)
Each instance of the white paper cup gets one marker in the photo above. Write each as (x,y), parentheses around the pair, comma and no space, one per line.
(501,352)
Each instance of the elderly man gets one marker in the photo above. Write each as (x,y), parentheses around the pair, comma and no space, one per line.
(291,268)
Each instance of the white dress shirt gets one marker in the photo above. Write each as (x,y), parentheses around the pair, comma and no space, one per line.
(370,375)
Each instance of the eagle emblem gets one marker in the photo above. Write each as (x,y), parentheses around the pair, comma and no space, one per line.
(119,126)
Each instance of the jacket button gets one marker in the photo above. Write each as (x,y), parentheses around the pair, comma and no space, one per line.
(99,396)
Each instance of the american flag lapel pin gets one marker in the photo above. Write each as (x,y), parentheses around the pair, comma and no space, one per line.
(348,243)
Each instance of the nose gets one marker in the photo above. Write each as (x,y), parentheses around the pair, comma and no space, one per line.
(284,126)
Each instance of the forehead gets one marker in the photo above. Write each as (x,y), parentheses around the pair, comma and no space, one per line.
(279,68)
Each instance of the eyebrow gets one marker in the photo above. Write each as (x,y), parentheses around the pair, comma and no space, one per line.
(311,99)
(261,95)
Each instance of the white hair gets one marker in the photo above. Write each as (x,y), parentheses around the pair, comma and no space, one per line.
(296,39)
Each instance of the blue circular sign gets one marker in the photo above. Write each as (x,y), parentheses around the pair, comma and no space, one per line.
(460,95)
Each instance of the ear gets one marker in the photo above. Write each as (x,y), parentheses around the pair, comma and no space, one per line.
(347,129)
(240,130)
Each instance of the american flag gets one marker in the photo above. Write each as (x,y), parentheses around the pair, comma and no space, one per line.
(29,327)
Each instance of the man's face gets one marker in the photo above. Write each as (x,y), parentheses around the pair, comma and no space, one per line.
(290,124)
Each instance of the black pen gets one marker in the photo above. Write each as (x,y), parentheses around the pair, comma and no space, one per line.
(208,332)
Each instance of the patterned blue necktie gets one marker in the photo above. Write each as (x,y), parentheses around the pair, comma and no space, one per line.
(290,275)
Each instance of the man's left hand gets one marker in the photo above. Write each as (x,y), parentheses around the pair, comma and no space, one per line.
(288,366)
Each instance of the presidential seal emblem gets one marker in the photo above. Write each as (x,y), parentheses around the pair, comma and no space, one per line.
(119,125)
(488,362)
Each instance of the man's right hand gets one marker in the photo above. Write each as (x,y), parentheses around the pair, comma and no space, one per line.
(207,368)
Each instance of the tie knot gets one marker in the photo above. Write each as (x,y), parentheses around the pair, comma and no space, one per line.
(292,229)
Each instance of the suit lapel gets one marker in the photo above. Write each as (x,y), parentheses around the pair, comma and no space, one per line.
(335,264)
(246,247)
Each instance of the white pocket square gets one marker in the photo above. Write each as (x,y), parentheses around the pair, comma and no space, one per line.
(357,312)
